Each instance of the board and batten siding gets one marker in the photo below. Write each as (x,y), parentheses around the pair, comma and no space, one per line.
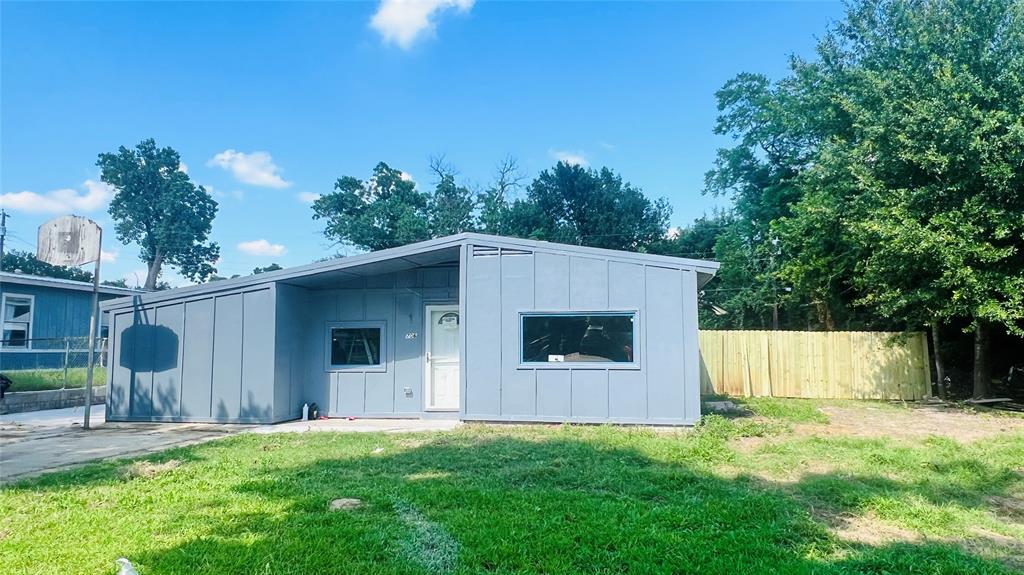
(209,358)
(396,299)
(500,284)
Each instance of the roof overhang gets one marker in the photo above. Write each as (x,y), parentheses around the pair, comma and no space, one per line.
(437,251)
(60,283)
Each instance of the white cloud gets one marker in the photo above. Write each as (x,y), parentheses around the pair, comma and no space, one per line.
(673,233)
(401,22)
(63,201)
(257,168)
(407,177)
(307,197)
(109,257)
(577,158)
(182,167)
(262,248)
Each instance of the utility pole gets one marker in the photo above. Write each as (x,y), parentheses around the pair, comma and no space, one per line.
(3,236)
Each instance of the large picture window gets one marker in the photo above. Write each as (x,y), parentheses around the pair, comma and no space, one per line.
(17,321)
(355,345)
(606,337)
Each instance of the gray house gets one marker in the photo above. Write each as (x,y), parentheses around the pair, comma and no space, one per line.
(470,326)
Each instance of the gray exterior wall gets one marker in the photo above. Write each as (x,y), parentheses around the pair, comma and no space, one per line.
(206,358)
(397,299)
(499,286)
(255,349)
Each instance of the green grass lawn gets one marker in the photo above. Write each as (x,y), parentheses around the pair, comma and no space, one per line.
(44,379)
(734,496)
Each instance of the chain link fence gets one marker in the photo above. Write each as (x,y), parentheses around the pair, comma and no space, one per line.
(51,363)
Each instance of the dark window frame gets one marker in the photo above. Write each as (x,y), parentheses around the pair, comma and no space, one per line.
(635,364)
(381,366)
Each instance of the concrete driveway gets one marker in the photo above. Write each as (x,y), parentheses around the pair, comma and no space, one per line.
(42,441)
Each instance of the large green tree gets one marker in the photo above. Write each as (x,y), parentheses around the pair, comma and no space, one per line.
(567,203)
(888,171)
(157,206)
(577,205)
(385,211)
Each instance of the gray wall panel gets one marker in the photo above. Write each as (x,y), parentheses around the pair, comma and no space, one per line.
(120,375)
(627,394)
(352,305)
(227,357)
(590,393)
(351,392)
(197,359)
(625,286)
(408,353)
(258,355)
(518,386)
(380,386)
(552,274)
(663,326)
(319,387)
(170,320)
(142,359)
(588,283)
(554,393)
(483,343)
(691,348)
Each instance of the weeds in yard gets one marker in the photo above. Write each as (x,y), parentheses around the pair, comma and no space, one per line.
(46,379)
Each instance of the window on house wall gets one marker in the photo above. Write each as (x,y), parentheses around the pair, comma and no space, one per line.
(17,316)
(355,345)
(579,337)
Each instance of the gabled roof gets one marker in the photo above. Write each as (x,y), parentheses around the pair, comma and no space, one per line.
(60,283)
(419,254)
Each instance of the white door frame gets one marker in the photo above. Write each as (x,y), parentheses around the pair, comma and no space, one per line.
(428,379)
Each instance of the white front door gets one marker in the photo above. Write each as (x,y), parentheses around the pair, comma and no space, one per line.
(442,348)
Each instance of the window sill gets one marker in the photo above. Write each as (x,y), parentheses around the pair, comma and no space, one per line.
(581,365)
(357,369)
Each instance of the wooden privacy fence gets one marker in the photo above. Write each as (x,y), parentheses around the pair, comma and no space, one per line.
(810,364)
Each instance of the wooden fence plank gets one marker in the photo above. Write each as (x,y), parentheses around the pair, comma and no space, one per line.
(832,365)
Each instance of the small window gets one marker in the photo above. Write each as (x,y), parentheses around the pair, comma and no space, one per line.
(355,345)
(17,324)
(579,338)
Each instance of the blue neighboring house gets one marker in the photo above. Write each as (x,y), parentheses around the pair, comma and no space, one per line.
(40,312)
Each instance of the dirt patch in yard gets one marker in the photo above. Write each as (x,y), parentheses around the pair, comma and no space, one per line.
(149,469)
(913,423)
(865,529)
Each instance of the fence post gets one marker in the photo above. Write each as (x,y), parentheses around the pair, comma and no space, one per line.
(67,354)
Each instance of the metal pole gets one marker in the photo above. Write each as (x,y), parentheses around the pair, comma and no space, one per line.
(93,324)
(3,236)
(67,356)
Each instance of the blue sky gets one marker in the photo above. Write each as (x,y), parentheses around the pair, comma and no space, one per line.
(269,103)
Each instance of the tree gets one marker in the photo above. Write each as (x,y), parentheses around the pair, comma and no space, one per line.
(888,170)
(157,206)
(271,268)
(450,208)
(26,263)
(121,283)
(495,202)
(934,149)
(382,212)
(576,205)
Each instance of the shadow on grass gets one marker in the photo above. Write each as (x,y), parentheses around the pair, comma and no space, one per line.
(529,505)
